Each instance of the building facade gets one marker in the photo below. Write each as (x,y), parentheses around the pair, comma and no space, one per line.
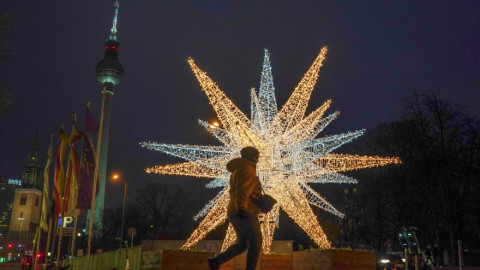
(27,202)
(7,193)
(25,215)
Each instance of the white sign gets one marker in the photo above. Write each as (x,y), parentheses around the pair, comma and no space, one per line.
(67,222)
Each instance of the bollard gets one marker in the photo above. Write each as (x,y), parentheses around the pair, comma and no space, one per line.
(406,258)
(460,254)
(446,258)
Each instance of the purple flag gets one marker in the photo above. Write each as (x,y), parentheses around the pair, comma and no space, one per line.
(87,166)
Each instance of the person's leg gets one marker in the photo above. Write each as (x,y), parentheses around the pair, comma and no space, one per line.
(241,226)
(254,239)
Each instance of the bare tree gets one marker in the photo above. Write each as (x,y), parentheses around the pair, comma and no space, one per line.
(436,186)
(5,98)
(448,156)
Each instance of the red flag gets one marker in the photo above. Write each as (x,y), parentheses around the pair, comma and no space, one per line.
(87,166)
(59,178)
(73,170)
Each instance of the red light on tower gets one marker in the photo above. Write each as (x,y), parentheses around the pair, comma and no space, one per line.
(10,245)
(111,48)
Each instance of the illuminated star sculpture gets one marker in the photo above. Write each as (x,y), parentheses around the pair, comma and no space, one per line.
(291,155)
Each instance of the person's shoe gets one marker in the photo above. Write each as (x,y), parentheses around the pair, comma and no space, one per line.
(213,264)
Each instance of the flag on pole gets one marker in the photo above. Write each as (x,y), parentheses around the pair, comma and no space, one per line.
(73,170)
(87,166)
(46,195)
(59,178)
(35,239)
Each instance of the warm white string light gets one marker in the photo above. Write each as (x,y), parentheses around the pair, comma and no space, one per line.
(291,155)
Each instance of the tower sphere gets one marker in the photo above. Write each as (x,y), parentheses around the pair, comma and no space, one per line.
(109,70)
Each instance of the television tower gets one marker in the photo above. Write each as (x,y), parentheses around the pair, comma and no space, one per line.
(109,73)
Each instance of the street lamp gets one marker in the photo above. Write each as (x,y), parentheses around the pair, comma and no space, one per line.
(116,177)
(21,227)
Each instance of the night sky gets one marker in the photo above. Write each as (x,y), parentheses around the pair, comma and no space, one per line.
(380,52)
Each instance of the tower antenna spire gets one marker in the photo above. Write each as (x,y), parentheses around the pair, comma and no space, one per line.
(113,31)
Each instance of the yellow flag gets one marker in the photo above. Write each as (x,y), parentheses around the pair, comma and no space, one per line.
(46,196)
(35,238)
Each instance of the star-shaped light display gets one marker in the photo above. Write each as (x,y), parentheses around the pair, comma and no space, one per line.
(291,155)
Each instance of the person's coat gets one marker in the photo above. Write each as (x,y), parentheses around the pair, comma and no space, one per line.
(244,185)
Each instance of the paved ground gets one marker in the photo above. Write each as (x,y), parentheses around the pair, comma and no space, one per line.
(10,266)
(13,266)
(456,268)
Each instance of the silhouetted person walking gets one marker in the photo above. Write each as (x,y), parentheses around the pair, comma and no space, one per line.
(242,212)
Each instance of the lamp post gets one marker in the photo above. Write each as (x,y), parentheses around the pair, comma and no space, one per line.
(21,227)
(116,177)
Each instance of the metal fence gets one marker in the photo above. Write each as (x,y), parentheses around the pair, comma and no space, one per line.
(109,260)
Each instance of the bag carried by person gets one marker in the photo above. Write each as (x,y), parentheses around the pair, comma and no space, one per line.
(264,202)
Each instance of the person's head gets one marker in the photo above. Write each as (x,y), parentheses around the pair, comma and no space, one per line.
(250,153)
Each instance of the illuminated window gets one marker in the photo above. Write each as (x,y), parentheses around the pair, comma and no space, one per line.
(23,199)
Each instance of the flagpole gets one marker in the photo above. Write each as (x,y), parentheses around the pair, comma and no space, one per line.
(37,248)
(54,247)
(95,177)
(60,204)
(60,236)
(62,201)
(72,247)
(47,245)
(45,200)
(62,221)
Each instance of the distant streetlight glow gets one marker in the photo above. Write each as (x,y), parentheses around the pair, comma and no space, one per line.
(21,227)
(115,177)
